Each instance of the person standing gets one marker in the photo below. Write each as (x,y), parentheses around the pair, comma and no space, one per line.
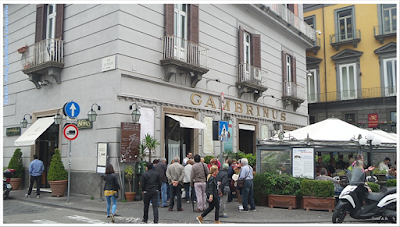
(111,187)
(151,186)
(161,168)
(175,174)
(186,181)
(246,174)
(35,171)
(212,195)
(198,178)
(188,157)
(223,182)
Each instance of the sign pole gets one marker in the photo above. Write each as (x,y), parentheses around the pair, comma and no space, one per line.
(221,142)
(69,170)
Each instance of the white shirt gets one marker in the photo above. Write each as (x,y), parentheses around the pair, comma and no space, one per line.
(383,166)
(188,171)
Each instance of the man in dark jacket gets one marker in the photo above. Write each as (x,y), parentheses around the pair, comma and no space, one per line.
(161,168)
(223,182)
(151,186)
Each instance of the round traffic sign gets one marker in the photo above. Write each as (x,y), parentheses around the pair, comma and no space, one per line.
(72,109)
(70,132)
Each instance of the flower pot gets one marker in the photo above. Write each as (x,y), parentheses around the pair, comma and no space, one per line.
(15,183)
(22,49)
(319,203)
(58,187)
(285,201)
(130,196)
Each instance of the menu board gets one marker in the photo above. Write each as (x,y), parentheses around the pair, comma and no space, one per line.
(303,162)
(130,141)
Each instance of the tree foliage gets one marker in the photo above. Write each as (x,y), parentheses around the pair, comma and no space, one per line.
(16,163)
(57,170)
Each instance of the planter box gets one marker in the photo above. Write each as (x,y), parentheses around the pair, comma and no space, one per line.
(381,177)
(58,187)
(319,203)
(285,201)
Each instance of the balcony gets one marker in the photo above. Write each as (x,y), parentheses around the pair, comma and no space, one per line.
(180,56)
(383,31)
(251,80)
(338,39)
(284,15)
(44,58)
(316,47)
(365,93)
(293,94)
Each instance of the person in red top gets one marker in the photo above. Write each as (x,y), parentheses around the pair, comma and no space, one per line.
(214,161)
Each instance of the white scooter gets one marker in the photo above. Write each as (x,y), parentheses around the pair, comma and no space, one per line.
(381,204)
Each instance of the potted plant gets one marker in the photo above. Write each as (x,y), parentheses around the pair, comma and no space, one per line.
(373,186)
(57,175)
(283,190)
(22,49)
(260,182)
(16,163)
(391,183)
(380,174)
(151,144)
(318,195)
(129,174)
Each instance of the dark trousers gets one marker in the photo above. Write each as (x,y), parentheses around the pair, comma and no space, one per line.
(175,191)
(214,203)
(153,196)
(190,190)
(33,179)
(248,195)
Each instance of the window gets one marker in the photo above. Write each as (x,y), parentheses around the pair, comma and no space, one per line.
(350,118)
(348,82)
(51,20)
(312,119)
(310,21)
(249,55)
(180,28)
(390,77)
(312,86)
(389,18)
(289,73)
(345,25)
(246,46)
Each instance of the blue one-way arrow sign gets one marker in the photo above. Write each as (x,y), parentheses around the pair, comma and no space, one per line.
(72,109)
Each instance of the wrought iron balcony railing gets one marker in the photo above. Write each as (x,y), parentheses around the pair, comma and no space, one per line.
(253,75)
(385,29)
(48,50)
(339,37)
(283,12)
(185,51)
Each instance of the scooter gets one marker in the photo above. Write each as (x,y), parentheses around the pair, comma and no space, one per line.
(380,204)
(7,174)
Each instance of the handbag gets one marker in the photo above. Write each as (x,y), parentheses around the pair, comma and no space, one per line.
(240,183)
(227,189)
(116,195)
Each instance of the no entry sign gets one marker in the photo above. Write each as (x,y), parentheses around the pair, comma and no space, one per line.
(70,132)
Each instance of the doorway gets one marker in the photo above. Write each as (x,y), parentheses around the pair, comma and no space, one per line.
(178,141)
(246,141)
(45,146)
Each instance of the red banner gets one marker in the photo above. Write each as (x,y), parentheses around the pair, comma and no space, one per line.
(373,120)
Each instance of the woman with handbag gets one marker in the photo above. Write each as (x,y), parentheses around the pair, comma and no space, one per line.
(212,196)
(111,189)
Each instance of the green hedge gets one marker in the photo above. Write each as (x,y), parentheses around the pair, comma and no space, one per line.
(208,158)
(373,186)
(57,171)
(16,163)
(272,183)
(317,188)
(391,182)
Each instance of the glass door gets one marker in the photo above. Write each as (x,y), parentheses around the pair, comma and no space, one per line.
(390,71)
(348,82)
(312,86)
(180,27)
(345,26)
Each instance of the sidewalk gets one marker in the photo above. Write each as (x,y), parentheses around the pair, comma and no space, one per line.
(129,210)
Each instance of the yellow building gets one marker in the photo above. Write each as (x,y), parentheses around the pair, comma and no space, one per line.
(352,68)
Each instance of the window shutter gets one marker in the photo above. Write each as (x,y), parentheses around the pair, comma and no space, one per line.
(40,32)
(284,65)
(194,23)
(291,7)
(294,69)
(59,21)
(256,49)
(169,19)
(241,54)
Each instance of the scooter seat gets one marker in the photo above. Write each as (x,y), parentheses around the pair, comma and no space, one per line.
(376,196)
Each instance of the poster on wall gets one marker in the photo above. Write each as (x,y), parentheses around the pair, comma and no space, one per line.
(208,140)
(228,145)
(102,153)
(373,120)
(130,141)
(303,162)
(146,122)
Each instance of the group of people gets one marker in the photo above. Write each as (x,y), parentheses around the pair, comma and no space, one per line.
(211,184)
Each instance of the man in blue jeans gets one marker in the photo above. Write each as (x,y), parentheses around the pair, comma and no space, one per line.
(161,168)
(35,170)
(246,174)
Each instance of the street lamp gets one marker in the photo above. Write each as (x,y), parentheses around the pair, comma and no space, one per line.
(24,122)
(57,118)
(135,113)
(371,140)
(216,80)
(92,114)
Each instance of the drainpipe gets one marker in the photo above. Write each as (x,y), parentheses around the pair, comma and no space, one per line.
(326,88)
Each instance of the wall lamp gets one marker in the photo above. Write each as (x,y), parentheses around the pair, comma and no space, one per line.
(24,122)
(309,74)
(92,114)
(216,80)
(135,113)
(44,83)
(57,118)
(268,96)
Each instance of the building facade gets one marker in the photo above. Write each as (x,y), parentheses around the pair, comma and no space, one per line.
(167,60)
(352,66)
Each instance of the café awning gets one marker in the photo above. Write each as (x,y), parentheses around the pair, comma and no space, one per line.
(32,133)
(188,122)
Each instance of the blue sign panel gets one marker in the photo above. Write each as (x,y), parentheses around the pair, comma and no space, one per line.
(72,109)
(223,130)
(228,145)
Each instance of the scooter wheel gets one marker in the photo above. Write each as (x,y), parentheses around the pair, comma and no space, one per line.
(392,219)
(339,215)
(5,195)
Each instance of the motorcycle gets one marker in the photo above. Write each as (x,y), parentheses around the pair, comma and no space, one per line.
(351,201)
(7,174)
